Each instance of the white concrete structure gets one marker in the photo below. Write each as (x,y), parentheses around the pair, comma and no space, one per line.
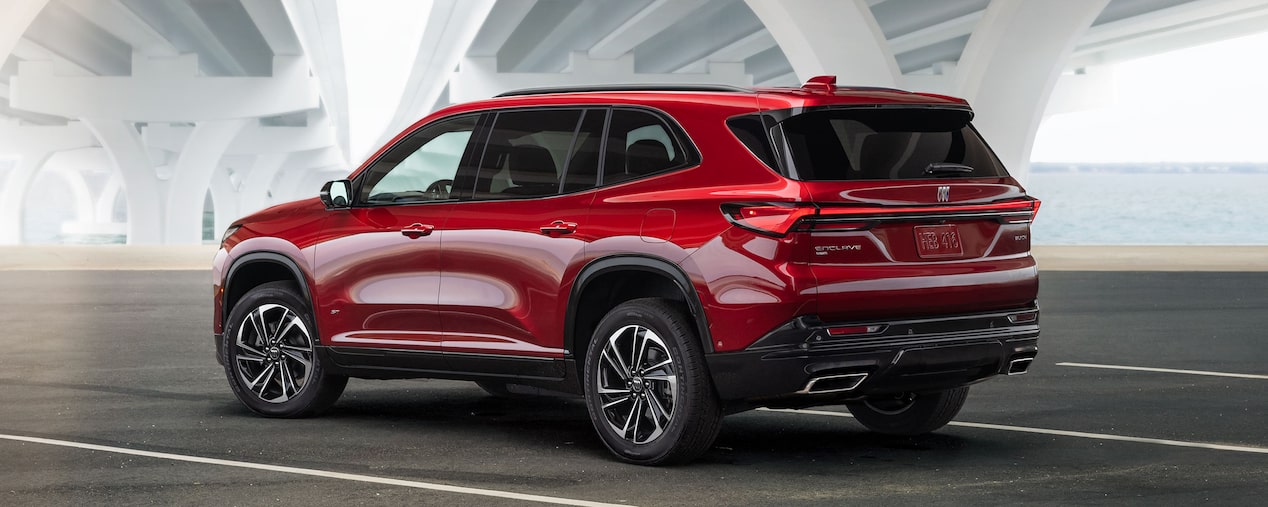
(254,102)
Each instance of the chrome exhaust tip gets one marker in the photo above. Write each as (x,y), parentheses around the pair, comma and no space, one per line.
(1019,366)
(833,383)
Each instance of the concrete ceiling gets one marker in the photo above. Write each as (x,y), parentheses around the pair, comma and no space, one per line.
(240,37)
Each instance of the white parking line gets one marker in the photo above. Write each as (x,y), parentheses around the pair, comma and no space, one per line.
(1064,433)
(312,472)
(1165,370)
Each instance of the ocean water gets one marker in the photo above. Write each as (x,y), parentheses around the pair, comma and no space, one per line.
(1150,208)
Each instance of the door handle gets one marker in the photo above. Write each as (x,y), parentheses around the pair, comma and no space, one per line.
(559,227)
(415,231)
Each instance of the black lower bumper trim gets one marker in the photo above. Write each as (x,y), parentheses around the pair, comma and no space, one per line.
(908,362)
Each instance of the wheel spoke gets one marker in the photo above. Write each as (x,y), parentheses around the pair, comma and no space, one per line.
(257,319)
(640,357)
(657,412)
(625,430)
(606,390)
(257,380)
(614,403)
(295,356)
(286,378)
(640,338)
(251,354)
(660,365)
(639,405)
(292,323)
(615,360)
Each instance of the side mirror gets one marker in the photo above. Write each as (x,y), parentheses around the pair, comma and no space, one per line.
(334,194)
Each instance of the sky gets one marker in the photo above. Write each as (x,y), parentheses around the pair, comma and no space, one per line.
(1202,104)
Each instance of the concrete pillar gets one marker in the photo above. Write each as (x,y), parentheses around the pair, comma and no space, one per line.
(1011,64)
(14,195)
(192,178)
(33,145)
(224,198)
(253,195)
(133,166)
(839,37)
(104,210)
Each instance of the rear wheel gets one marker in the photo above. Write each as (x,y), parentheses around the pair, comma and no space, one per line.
(270,354)
(649,395)
(909,414)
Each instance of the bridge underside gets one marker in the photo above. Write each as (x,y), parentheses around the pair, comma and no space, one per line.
(253,102)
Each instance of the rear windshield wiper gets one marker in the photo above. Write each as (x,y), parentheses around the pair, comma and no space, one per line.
(947,169)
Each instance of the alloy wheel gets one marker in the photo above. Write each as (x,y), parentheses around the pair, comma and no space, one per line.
(274,353)
(637,384)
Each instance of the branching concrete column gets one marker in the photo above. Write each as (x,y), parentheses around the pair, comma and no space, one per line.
(839,37)
(255,186)
(188,187)
(105,201)
(34,145)
(1011,64)
(165,90)
(224,198)
(133,165)
(14,196)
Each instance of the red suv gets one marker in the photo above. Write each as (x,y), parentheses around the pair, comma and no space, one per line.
(671,253)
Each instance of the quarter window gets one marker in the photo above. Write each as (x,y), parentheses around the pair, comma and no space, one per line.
(639,143)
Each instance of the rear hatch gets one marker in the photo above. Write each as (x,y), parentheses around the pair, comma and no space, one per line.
(913,215)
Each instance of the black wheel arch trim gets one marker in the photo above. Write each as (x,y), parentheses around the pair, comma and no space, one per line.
(636,262)
(270,257)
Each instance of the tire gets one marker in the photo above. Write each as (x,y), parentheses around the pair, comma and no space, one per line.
(910,414)
(269,354)
(647,389)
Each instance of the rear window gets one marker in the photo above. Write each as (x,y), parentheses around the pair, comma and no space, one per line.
(882,144)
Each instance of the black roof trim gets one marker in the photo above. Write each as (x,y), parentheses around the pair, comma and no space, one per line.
(628,88)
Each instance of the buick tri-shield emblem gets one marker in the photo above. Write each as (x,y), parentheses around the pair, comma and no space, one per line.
(944,193)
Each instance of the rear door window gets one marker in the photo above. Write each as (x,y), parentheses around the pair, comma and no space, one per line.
(884,144)
(539,153)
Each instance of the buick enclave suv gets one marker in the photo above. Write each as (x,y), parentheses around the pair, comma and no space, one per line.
(672,254)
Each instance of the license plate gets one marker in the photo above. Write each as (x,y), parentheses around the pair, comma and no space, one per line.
(938,241)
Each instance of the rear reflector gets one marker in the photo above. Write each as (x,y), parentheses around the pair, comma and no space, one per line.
(772,219)
(1023,318)
(852,330)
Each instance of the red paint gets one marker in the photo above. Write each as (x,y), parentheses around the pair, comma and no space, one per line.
(485,277)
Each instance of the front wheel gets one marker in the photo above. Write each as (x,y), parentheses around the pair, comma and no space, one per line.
(909,414)
(270,355)
(648,392)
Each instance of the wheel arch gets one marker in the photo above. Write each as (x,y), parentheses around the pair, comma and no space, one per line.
(608,281)
(257,268)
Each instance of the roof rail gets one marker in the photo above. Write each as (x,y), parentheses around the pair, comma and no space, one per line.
(627,88)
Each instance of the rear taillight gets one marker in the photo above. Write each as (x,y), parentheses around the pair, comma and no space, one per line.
(1025,219)
(771,219)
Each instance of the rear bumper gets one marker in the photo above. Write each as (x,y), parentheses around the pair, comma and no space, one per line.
(802,363)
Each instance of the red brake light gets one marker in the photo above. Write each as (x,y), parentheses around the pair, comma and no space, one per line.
(1033,208)
(772,219)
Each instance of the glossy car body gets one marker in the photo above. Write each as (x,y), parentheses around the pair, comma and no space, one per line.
(802,291)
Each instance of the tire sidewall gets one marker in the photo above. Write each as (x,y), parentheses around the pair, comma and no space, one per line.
(280,294)
(634,313)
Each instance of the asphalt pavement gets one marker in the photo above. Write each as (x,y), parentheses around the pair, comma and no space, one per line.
(110,394)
